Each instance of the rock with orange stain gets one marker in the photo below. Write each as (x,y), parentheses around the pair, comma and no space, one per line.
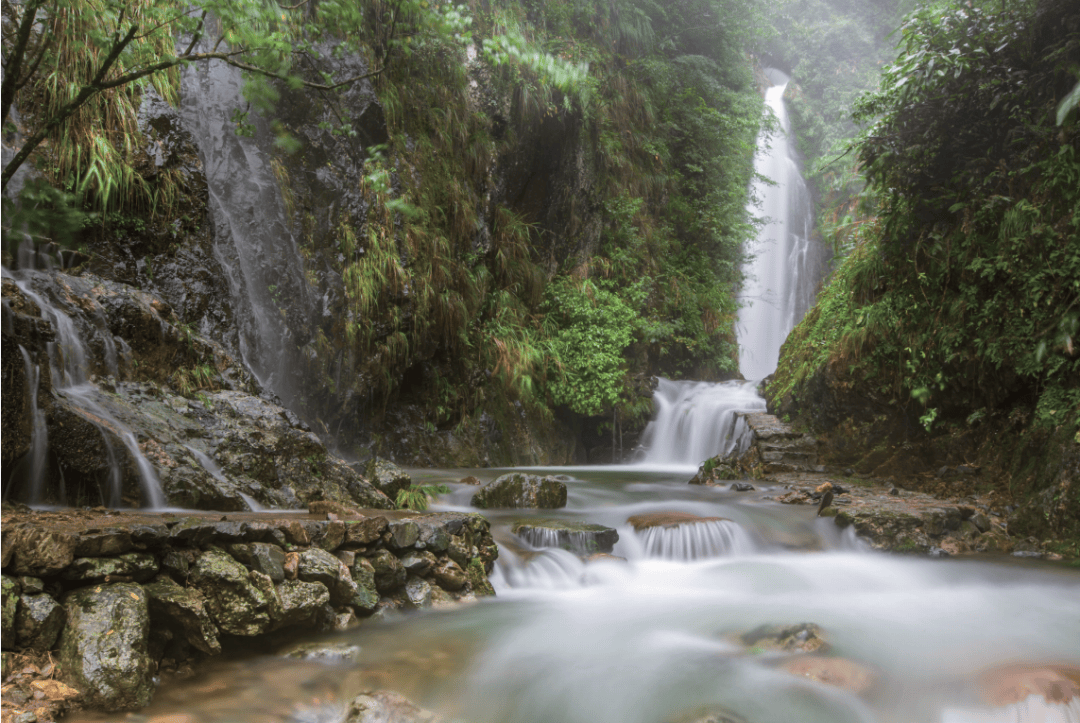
(839,672)
(1014,683)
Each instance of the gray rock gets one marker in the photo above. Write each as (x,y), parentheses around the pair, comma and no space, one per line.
(981,521)
(177,563)
(317,565)
(386,707)
(418,592)
(240,602)
(38,622)
(449,575)
(403,534)
(521,490)
(578,537)
(460,550)
(367,596)
(184,610)
(389,572)
(103,648)
(435,536)
(138,566)
(262,556)
(417,563)
(387,477)
(9,592)
(31,585)
(300,601)
(103,543)
(323,652)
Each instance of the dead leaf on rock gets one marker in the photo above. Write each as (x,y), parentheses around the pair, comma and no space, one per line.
(54,690)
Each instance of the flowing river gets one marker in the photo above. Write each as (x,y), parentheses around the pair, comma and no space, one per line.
(659,634)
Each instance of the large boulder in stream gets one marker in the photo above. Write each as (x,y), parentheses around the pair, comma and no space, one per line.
(582,538)
(521,490)
(104,646)
(387,477)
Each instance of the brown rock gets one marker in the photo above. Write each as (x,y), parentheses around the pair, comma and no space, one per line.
(470,480)
(325,507)
(292,565)
(39,552)
(365,531)
(839,672)
(1012,684)
(667,519)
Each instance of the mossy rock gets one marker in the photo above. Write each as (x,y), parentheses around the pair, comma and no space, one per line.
(519,490)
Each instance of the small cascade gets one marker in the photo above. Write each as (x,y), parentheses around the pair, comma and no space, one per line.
(550,569)
(214,470)
(69,365)
(696,420)
(782,276)
(696,541)
(39,433)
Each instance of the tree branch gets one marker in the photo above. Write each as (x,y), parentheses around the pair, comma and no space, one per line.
(13,68)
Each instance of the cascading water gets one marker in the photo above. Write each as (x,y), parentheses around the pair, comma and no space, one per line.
(253,241)
(696,420)
(783,274)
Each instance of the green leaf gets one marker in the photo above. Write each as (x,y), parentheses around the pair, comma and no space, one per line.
(1067,103)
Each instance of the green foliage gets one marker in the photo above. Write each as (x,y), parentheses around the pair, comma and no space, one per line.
(960,297)
(594,328)
(43,213)
(418,497)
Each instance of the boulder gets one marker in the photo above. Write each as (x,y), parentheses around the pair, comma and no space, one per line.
(318,565)
(38,622)
(9,592)
(365,531)
(183,610)
(367,596)
(104,646)
(262,556)
(300,601)
(449,575)
(386,707)
(240,602)
(418,563)
(387,477)
(403,534)
(521,491)
(389,572)
(138,566)
(583,538)
(800,638)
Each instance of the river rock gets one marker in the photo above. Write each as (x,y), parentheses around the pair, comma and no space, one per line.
(37,551)
(9,593)
(262,556)
(387,707)
(839,672)
(138,566)
(668,519)
(300,601)
(403,534)
(323,652)
(363,574)
(318,565)
(583,538)
(365,531)
(449,575)
(418,563)
(103,648)
(418,592)
(183,610)
(521,490)
(389,572)
(238,600)
(38,622)
(1013,684)
(103,543)
(387,477)
(800,638)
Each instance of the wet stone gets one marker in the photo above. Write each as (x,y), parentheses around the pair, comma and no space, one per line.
(177,563)
(365,531)
(38,622)
(31,585)
(387,707)
(436,536)
(417,563)
(387,477)
(103,648)
(403,533)
(238,601)
(103,543)
(519,490)
(152,535)
(389,572)
(449,575)
(138,566)
(323,652)
(300,601)
(38,552)
(10,596)
(799,638)
(367,596)
(184,610)
(317,565)
(418,592)
(264,557)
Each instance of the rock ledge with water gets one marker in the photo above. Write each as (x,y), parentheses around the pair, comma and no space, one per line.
(521,490)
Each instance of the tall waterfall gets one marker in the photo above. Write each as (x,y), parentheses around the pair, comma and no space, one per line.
(782,275)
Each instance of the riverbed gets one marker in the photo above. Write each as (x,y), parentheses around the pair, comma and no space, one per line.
(663,628)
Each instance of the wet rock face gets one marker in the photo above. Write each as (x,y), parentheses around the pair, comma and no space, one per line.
(38,622)
(10,599)
(104,646)
(183,610)
(239,602)
(522,491)
(387,477)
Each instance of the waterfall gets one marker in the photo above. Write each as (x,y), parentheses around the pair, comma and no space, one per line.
(695,541)
(782,275)
(696,420)
(252,237)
